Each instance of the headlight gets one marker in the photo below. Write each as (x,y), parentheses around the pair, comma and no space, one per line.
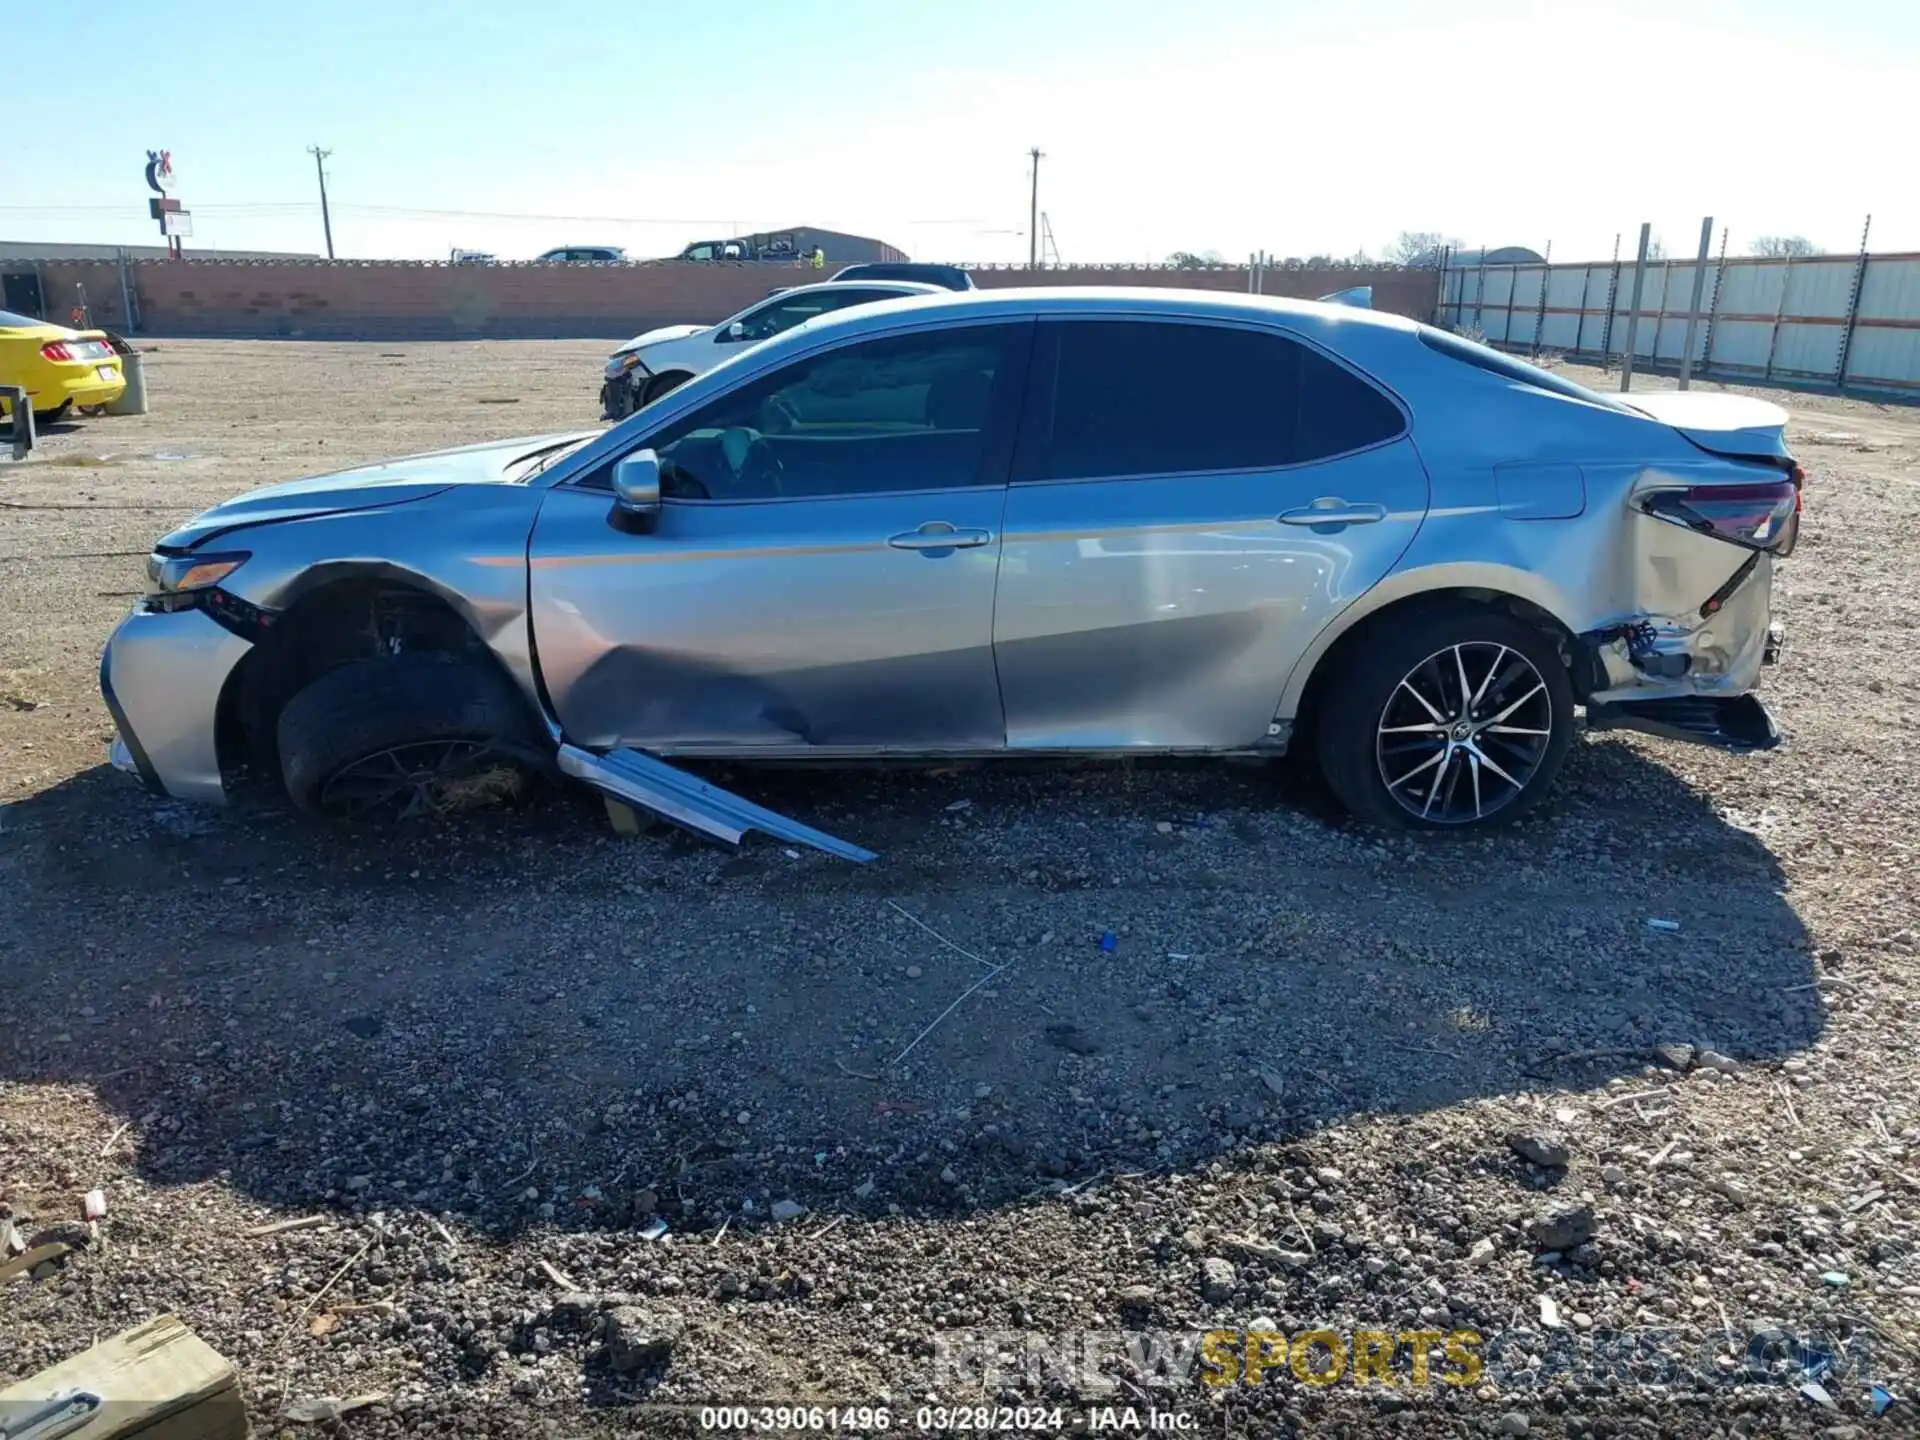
(622,363)
(178,574)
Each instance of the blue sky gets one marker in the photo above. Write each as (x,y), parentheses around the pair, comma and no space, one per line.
(1209,124)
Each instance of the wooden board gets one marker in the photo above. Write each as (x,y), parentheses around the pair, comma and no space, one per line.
(157,1381)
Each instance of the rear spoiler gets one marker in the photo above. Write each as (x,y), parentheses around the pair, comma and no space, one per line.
(1359,296)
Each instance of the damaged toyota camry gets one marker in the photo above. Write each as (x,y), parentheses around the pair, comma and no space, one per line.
(1068,522)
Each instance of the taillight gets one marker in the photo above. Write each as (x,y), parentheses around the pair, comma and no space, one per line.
(1799,486)
(1765,516)
(56,350)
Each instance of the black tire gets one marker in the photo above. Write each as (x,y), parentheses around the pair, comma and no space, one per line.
(414,714)
(1359,750)
(660,385)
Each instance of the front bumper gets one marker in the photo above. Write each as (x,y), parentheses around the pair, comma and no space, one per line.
(620,394)
(161,676)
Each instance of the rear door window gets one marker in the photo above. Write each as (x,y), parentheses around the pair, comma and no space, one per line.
(1507,367)
(1111,398)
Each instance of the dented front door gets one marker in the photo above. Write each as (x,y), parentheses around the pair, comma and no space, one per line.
(773,626)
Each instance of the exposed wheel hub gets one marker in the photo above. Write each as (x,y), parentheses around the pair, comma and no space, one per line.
(406,782)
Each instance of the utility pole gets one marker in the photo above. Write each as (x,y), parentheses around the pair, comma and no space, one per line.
(320,169)
(1033,214)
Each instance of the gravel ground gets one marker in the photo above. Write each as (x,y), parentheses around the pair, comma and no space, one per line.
(1310,1085)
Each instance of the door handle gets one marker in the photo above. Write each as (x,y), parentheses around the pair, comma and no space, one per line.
(938,535)
(1332,510)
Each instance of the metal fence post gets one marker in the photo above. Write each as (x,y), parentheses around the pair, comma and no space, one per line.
(1693,305)
(1540,313)
(1853,309)
(1633,310)
(1773,340)
(1660,316)
(1580,319)
(20,405)
(1713,311)
(1613,292)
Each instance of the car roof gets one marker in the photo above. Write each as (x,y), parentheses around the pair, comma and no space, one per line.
(1146,301)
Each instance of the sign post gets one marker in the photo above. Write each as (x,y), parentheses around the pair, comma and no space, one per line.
(163,207)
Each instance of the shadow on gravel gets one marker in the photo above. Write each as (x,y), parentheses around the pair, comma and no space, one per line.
(522,1019)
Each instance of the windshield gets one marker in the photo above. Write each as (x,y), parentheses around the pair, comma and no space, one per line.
(10,321)
(530,465)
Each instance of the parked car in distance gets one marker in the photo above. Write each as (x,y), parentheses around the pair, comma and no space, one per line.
(473,257)
(776,247)
(1008,523)
(59,368)
(652,364)
(947,277)
(584,255)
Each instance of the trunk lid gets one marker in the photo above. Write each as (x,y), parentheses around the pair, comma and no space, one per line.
(1723,424)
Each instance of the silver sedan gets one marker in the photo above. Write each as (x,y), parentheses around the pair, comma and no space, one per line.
(1018,522)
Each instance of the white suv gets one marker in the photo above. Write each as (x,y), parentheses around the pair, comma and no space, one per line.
(649,365)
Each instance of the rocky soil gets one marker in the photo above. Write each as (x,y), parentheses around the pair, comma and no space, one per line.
(518,1127)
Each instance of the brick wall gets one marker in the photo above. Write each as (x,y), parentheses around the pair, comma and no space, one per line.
(397,300)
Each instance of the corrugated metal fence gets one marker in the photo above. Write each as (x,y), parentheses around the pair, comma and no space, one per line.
(1851,321)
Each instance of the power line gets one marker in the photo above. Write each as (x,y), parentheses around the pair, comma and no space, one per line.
(240,209)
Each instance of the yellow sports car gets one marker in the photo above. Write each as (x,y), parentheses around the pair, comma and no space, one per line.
(61,368)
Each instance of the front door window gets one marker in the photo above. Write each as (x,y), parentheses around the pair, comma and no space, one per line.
(903,413)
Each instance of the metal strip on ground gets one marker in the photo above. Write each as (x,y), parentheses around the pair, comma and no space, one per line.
(644,780)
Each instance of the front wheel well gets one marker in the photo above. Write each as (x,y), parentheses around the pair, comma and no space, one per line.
(665,382)
(1329,665)
(354,617)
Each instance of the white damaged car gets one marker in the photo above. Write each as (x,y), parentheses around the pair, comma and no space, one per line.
(652,363)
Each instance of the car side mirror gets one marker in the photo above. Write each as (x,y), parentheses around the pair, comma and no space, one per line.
(636,493)
(737,330)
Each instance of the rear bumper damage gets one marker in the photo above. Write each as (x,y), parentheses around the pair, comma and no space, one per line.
(1740,723)
(1689,677)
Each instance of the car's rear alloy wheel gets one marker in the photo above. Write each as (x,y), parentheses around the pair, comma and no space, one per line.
(1464,733)
(1456,717)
